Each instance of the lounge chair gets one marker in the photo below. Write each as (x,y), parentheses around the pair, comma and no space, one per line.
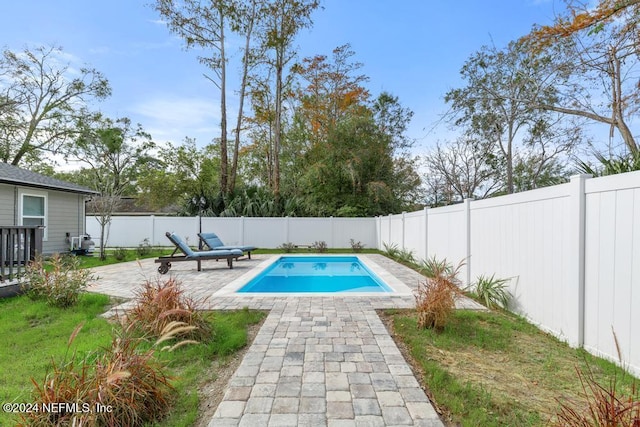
(191,255)
(214,243)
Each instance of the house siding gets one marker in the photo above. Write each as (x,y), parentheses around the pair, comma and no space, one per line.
(65,214)
(7,210)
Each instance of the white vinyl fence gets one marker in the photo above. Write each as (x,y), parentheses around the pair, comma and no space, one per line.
(572,252)
(130,231)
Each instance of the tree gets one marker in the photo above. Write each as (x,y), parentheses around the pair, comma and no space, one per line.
(282,19)
(393,120)
(354,173)
(113,150)
(244,21)
(41,102)
(465,169)
(598,47)
(332,90)
(581,17)
(204,24)
(497,105)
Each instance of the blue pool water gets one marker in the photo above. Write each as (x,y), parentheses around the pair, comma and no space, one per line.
(316,274)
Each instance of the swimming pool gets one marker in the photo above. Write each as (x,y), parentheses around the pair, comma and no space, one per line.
(311,274)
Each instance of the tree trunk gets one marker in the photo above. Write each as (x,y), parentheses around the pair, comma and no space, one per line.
(243,89)
(277,129)
(224,158)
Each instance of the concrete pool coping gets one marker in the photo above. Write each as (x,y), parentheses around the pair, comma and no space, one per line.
(396,285)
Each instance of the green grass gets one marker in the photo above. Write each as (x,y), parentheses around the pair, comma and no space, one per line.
(191,366)
(131,255)
(34,334)
(311,251)
(496,369)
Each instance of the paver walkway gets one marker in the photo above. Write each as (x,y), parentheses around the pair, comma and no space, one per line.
(316,361)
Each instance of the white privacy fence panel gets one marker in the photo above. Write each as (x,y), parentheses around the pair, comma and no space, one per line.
(446,236)
(526,237)
(572,251)
(265,234)
(612,267)
(130,231)
(417,237)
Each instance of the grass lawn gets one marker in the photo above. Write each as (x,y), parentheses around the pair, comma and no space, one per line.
(34,334)
(496,369)
(124,255)
(131,255)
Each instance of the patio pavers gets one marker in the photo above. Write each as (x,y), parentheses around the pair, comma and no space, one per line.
(315,361)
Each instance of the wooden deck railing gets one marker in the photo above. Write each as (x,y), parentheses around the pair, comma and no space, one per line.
(18,246)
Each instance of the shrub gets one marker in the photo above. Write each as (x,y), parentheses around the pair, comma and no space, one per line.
(128,381)
(431,267)
(320,246)
(356,246)
(60,285)
(287,247)
(402,255)
(492,291)
(120,253)
(161,304)
(391,250)
(144,248)
(435,297)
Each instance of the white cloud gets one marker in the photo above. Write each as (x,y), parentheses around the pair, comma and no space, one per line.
(173,119)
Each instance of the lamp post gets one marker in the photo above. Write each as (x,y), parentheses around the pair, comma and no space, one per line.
(200,203)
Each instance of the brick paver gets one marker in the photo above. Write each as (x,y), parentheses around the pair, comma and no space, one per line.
(319,361)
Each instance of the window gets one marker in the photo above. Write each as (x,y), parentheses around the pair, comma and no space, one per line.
(33,210)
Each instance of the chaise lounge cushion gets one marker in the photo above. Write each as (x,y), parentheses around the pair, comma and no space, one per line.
(213,241)
(203,254)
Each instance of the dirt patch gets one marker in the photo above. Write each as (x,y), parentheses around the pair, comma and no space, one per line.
(211,393)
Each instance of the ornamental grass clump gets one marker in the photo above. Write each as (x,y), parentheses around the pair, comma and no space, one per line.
(435,297)
(163,304)
(605,406)
(60,284)
(121,385)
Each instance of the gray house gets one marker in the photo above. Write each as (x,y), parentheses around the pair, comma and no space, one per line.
(28,198)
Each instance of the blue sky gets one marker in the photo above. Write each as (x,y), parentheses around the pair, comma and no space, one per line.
(413,49)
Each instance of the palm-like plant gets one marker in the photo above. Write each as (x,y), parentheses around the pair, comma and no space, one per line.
(493,292)
(611,166)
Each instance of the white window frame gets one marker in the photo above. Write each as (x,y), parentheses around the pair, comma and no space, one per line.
(34,193)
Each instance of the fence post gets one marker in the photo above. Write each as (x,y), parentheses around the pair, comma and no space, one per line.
(286,231)
(242,230)
(389,240)
(577,254)
(403,228)
(426,233)
(467,232)
(331,242)
(152,236)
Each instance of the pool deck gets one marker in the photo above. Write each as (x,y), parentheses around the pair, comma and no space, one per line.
(316,361)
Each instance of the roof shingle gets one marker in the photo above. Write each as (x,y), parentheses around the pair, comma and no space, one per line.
(10,174)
